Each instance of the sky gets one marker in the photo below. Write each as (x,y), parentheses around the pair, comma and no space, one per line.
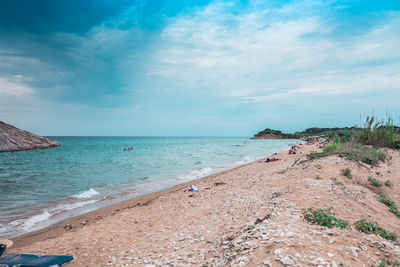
(196,67)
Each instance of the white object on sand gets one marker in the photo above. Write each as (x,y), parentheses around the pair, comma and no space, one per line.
(193,188)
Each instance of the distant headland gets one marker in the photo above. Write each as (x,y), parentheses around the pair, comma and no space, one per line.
(314,131)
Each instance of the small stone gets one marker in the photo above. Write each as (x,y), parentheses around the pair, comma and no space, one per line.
(278,251)
(230,237)
(267,263)
(288,260)
(316,243)
(318,261)
(355,251)
(289,234)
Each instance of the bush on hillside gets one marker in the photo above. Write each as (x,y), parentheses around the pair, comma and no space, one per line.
(356,152)
(378,133)
(374,228)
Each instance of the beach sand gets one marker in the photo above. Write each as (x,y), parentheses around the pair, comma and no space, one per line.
(251,215)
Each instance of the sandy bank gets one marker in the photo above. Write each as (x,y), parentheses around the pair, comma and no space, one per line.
(251,215)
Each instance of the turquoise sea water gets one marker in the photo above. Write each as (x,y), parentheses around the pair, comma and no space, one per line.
(41,187)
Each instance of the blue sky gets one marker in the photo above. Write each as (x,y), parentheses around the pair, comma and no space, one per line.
(196,68)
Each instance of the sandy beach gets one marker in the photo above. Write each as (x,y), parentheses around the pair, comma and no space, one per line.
(248,216)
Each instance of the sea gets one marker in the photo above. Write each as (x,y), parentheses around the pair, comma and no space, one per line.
(41,187)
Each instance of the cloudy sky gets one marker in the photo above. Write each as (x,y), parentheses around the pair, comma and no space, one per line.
(196,67)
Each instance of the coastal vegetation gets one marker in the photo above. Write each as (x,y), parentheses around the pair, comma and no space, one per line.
(317,155)
(361,144)
(356,152)
(274,134)
(351,150)
(314,131)
(374,228)
(388,183)
(324,217)
(390,203)
(374,182)
(375,132)
(384,261)
(347,172)
(379,133)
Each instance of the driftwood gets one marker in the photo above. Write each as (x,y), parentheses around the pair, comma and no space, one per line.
(13,139)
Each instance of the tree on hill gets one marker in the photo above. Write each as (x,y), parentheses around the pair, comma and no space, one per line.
(269,131)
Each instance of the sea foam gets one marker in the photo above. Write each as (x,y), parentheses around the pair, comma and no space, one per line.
(195,174)
(28,223)
(86,194)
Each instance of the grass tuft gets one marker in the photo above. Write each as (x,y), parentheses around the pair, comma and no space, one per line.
(378,133)
(374,182)
(317,155)
(384,261)
(347,172)
(390,203)
(388,183)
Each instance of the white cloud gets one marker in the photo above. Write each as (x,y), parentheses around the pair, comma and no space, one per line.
(262,54)
(14,87)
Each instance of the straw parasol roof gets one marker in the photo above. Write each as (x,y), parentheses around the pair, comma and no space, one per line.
(13,139)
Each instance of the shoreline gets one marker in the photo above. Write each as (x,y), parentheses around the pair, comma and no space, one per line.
(252,215)
(87,218)
(57,211)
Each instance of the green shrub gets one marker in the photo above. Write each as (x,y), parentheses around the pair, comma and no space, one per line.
(364,154)
(352,151)
(324,217)
(331,148)
(355,152)
(347,172)
(388,183)
(378,133)
(318,177)
(317,155)
(384,261)
(374,228)
(391,204)
(374,182)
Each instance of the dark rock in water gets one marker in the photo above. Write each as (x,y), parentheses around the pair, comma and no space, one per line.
(13,139)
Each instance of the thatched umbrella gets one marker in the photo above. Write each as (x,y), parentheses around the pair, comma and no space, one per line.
(13,139)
